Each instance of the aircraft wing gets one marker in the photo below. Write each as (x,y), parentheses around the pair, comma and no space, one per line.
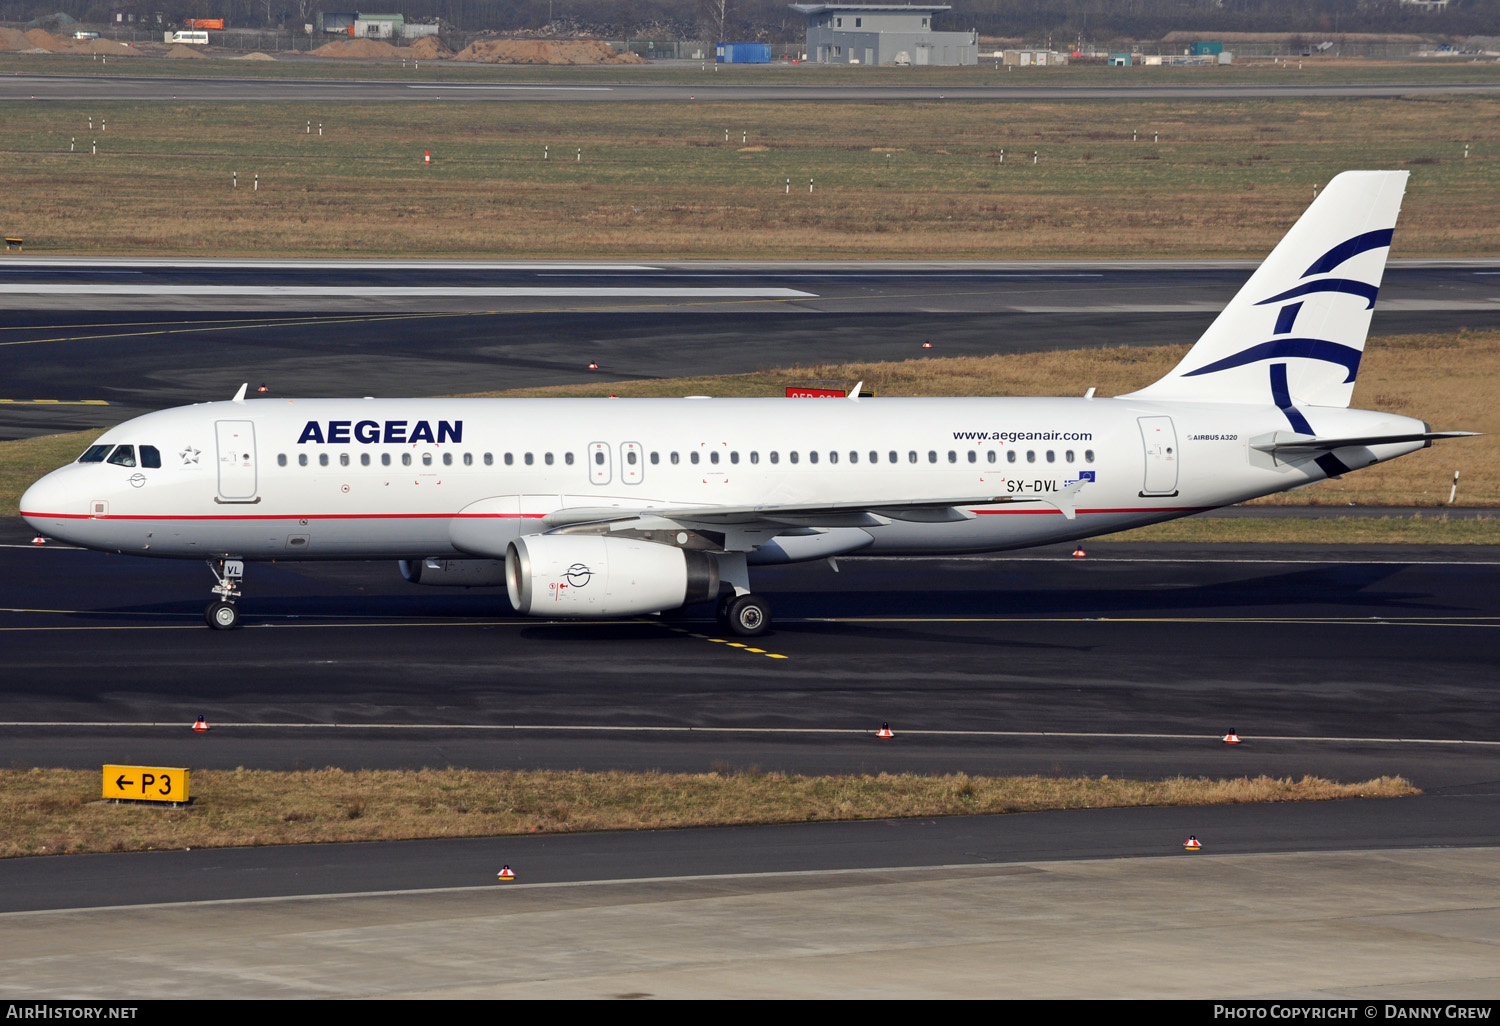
(871,513)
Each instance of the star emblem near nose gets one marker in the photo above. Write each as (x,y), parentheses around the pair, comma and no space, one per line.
(189,455)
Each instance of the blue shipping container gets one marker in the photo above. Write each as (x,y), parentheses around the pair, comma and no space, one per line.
(743,53)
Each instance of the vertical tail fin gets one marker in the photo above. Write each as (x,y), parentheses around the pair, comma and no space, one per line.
(1295,333)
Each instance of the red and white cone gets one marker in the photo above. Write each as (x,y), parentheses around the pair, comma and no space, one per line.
(505,875)
(1192,844)
(593,366)
(39,540)
(926,345)
(427,156)
(884,731)
(201,726)
(1231,738)
(1078,553)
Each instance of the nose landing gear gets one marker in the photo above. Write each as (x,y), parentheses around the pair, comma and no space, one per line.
(222,614)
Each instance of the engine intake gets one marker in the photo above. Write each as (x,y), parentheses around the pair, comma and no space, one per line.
(591,575)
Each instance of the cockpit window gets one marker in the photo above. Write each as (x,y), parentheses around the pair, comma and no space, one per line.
(95,454)
(123,456)
(150,457)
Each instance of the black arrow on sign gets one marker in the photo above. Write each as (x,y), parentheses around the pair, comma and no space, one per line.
(122,783)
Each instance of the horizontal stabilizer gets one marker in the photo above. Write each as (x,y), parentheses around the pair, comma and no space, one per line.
(1294,443)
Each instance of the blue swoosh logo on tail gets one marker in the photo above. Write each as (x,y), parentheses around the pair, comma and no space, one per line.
(1306,348)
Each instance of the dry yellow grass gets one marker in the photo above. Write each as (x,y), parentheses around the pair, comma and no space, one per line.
(50,811)
(658,181)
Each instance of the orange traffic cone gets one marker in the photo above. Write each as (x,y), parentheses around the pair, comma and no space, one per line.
(1192,843)
(505,875)
(884,731)
(201,726)
(1231,738)
(1078,553)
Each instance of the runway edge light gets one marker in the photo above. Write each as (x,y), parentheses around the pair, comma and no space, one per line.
(201,726)
(884,731)
(1192,844)
(505,875)
(1231,738)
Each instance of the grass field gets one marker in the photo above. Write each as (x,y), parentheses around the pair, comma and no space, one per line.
(657,180)
(54,811)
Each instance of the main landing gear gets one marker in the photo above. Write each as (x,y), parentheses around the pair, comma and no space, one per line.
(747,615)
(222,614)
(740,612)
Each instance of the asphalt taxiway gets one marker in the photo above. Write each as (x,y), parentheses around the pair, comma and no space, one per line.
(88,343)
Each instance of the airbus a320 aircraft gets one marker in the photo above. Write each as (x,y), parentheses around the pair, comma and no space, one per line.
(604,508)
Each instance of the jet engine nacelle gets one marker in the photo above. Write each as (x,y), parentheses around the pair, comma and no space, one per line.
(591,575)
(454,573)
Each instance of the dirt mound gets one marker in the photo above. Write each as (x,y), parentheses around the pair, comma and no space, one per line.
(256,56)
(544,51)
(429,48)
(46,40)
(14,39)
(185,51)
(106,46)
(357,48)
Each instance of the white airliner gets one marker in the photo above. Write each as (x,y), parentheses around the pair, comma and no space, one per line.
(604,508)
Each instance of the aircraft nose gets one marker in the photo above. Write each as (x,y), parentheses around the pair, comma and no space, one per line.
(44,502)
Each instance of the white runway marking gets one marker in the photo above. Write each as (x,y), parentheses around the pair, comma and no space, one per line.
(419,291)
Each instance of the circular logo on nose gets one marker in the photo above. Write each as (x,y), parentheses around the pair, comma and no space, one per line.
(137,479)
(578,575)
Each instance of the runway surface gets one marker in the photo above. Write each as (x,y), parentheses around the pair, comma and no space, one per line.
(71,88)
(74,354)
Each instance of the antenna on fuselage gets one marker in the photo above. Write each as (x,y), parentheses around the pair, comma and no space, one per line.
(239,396)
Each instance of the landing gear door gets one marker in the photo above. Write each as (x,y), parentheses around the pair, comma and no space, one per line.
(599,463)
(1160,440)
(236,440)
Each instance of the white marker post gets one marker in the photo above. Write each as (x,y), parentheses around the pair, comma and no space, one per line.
(309,127)
(257,183)
(234,179)
(1453,492)
(809,186)
(95,151)
(788,186)
(580,153)
(72,142)
(545,154)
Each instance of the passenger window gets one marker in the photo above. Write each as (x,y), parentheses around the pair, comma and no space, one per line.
(713,457)
(343,459)
(1030,455)
(734,457)
(931,456)
(990,455)
(833,457)
(812,457)
(1068,455)
(427,459)
(123,456)
(489,459)
(406,459)
(302,459)
(547,459)
(911,457)
(693,456)
(1051,456)
(364,459)
(385,459)
(150,457)
(468,459)
(875,457)
(973,456)
(281,459)
(792,456)
(674,459)
(322,459)
(95,454)
(891,456)
(655,458)
(952,456)
(1010,456)
(754,456)
(853,456)
(568,458)
(1088,455)
(528,459)
(509,459)
(775,456)
(447,459)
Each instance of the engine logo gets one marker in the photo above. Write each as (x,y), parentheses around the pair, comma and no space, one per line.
(578,575)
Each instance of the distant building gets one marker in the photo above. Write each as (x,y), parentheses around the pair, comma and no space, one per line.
(883,34)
